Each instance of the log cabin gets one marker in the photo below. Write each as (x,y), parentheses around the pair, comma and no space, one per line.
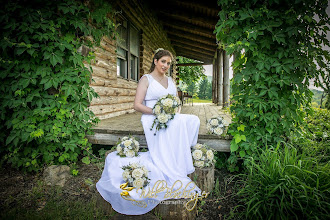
(183,27)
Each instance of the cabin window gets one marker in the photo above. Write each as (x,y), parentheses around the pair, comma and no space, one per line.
(128,44)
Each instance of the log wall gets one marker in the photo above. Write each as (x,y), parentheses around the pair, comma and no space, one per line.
(116,93)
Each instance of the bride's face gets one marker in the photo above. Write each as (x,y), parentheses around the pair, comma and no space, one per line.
(163,64)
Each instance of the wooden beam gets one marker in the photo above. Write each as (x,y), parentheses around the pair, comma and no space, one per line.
(194,44)
(226,83)
(214,76)
(189,17)
(193,56)
(177,33)
(209,6)
(201,31)
(112,138)
(184,53)
(190,64)
(220,77)
(193,49)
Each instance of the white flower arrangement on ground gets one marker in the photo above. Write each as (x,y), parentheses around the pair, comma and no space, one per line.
(203,156)
(165,109)
(127,147)
(136,175)
(216,125)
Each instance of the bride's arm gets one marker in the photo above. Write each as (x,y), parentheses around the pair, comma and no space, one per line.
(141,91)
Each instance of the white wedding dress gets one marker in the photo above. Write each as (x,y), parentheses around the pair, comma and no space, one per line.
(169,157)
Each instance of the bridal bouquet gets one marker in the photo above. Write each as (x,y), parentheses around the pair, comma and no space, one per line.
(203,156)
(216,125)
(127,147)
(136,175)
(165,110)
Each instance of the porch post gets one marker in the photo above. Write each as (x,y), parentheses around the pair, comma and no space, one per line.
(220,77)
(226,83)
(214,78)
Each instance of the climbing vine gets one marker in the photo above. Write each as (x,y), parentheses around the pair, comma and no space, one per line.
(44,81)
(278,45)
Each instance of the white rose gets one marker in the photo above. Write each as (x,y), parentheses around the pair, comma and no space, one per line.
(137,173)
(134,165)
(125,175)
(177,99)
(136,143)
(145,170)
(138,183)
(218,131)
(199,163)
(157,109)
(168,102)
(198,146)
(197,154)
(209,155)
(162,118)
(118,149)
(124,138)
(130,153)
(127,143)
(225,123)
(214,122)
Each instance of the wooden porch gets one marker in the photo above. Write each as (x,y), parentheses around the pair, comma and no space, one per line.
(108,131)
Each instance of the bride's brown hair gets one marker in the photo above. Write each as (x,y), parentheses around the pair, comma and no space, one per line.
(157,56)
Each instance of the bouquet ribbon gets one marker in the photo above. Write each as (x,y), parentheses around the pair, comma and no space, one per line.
(125,189)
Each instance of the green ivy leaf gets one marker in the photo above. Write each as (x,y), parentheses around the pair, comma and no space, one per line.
(242,153)
(233,146)
(86,160)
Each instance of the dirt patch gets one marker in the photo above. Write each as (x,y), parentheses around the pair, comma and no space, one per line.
(28,191)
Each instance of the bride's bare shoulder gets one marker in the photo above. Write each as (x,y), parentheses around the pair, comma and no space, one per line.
(144,80)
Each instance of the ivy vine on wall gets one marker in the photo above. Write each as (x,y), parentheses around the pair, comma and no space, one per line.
(278,44)
(44,82)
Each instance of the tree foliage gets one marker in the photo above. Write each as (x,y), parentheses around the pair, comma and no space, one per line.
(45,84)
(279,43)
(189,74)
(204,89)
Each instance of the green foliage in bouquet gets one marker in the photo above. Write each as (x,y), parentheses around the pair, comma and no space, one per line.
(136,175)
(45,84)
(165,109)
(285,184)
(203,156)
(217,125)
(127,147)
(278,48)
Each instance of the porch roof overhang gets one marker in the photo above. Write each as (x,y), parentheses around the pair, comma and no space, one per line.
(189,25)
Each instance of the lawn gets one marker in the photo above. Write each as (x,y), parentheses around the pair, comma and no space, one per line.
(196,100)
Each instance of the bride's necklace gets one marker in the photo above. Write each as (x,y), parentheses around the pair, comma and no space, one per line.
(161,79)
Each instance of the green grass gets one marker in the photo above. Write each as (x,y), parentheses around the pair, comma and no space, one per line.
(201,100)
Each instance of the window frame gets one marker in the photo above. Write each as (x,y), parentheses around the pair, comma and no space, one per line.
(128,69)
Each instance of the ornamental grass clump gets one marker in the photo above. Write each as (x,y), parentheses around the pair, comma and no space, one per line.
(284,184)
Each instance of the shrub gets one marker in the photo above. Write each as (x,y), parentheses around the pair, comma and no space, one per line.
(314,136)
(44,80)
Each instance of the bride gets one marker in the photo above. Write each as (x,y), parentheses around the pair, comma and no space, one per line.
(169,156)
